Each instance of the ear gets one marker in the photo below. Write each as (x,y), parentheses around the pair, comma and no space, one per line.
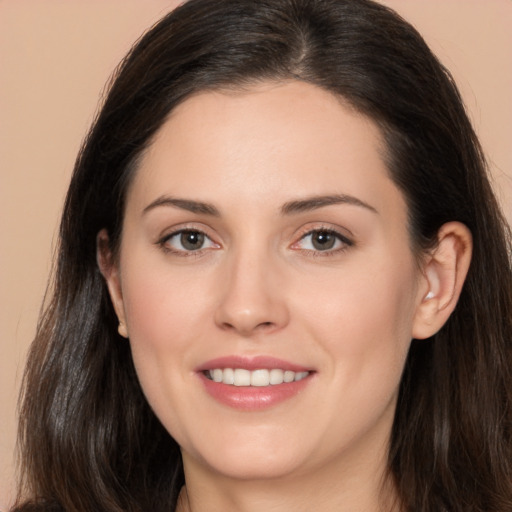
(444,272)
(109,268)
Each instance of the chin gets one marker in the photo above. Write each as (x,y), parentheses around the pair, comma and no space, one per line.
(255,459)
(261,469)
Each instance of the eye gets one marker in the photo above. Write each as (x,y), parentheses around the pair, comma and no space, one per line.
(188,240)
(323,240)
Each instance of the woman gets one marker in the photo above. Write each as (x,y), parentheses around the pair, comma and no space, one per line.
(283,207)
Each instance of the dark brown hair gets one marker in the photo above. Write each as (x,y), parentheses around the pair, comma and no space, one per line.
(90,442)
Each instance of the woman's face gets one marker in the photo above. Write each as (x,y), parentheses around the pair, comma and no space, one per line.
(263,243)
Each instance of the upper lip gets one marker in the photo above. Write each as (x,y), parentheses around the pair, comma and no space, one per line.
(251,363)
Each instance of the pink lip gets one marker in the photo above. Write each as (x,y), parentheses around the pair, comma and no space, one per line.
(251,363)
(247,398)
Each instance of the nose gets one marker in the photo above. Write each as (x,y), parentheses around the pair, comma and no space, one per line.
(252,298)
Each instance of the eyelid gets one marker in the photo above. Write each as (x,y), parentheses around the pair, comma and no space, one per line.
(341,235)
(345,239)
(169,233)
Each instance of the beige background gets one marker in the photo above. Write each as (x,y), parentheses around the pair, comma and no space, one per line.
(55,56)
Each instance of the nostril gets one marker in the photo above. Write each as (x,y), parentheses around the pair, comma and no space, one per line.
(248,329)
(265,326)
(246,313)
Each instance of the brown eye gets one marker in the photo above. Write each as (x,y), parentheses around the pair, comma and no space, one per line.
(187,241)
(323,240)
(192,240)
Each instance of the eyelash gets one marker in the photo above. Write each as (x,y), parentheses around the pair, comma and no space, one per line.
(163,243)
(346,242)
(343,239)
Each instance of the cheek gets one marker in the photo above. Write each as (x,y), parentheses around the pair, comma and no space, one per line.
(164,311)
(363,325)
(161,304)
(363,319)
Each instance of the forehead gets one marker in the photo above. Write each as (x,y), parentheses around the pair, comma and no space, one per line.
(268,143)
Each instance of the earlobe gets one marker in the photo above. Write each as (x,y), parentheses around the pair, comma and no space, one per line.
(109,269)
(444,272)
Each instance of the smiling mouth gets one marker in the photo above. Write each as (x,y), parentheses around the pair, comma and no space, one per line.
(256,378)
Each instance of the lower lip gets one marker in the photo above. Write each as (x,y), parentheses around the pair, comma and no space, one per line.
(253,398)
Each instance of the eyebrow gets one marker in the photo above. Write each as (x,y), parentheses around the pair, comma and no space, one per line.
(289,208)
(315,202)
(185,204)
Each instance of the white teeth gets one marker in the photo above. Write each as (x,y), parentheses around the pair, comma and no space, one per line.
(242,377)
(276,376)
(289,376)
(228,376)
(256,378)
(260,378)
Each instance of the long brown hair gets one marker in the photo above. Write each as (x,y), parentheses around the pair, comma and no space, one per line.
(89,440)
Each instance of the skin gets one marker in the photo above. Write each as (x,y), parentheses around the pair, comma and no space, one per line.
(259,286)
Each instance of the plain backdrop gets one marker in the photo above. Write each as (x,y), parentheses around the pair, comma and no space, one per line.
(55,57)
